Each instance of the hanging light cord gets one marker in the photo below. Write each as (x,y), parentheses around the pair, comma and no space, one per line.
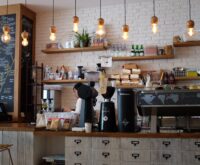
(53,14)
(100,8)
(75,7)
(154,10)
(190,9)
(125,11)
(7,13)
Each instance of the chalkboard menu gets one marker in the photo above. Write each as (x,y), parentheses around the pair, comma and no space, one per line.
(7,63)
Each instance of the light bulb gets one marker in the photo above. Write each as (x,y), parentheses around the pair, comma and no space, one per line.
(25,42)
(125,30)
(154,24)
(190,27)
(154,28)
(75,22)
(125,35)
(190,32)
(5,38)
(100,28)
(52,36)
(75,28)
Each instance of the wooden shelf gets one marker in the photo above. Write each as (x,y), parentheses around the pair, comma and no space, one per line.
(63,81)
(153,57)
(186,78)
(70,50)
(187,44)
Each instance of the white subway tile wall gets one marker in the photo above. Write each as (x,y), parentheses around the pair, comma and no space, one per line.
(172,14)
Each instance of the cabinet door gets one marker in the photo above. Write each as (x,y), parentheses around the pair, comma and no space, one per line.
(134,143)
(165,144)
(77,154)
(106,155)
(166,157)
(191,157)
(80,142)
(105,143)
(136,156)
(191,144)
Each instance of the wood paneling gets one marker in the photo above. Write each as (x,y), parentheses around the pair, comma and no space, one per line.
(153,57)
(187,44)
(70,50)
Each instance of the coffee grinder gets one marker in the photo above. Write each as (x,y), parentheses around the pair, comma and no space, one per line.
(107,121)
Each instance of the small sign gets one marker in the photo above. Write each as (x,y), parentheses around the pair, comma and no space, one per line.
(106,61)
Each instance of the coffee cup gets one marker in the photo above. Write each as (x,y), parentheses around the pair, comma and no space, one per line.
(88,127)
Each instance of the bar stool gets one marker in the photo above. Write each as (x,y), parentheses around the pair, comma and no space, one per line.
(4,147)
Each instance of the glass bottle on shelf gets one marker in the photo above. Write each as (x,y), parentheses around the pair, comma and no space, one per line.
(141,50)
(137,50)
(133,51)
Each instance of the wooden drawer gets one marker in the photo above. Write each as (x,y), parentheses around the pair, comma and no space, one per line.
(78,162)
(135,163)
(82,142)
(78,154)
(191,144)
(191,157)
(105,143)
(105,163)
(165,157)
(165,144)
(136,156)
(106,155)
(134,143)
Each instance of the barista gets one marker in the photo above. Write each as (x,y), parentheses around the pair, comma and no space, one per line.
(79,101)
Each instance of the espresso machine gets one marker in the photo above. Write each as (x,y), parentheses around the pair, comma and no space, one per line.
(107,121)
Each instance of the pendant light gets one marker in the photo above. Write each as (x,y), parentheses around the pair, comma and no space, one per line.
(100,27)
(190,23)
(154,20)
(24,36)
(125,27)
(52,36)
(75,21)
(5,37)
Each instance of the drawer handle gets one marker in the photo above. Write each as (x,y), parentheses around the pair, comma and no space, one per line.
(77,153)
(197,157)
(135,143)
(105,154)
(77,164)
(105,142)
(77,141)
(135,156)
(197,144)
(166,156)
(166,143)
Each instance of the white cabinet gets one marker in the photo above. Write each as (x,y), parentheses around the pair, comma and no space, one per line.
(78,151)
(131,151)
(191,151)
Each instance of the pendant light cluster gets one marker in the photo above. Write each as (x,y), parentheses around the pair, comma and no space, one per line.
(5,37)
(75,21)
(125,27)
(24,36)
(53,29)
(100,27)
(154,20)
(190,23)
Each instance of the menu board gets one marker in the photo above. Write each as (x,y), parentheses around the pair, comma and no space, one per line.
(7,63)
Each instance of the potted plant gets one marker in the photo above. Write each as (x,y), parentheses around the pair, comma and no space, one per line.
(83,39)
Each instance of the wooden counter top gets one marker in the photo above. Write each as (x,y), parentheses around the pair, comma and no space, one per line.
(16,127)
(117,134)
(40,132)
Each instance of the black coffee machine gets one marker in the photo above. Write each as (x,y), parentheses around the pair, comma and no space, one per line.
(107,121)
